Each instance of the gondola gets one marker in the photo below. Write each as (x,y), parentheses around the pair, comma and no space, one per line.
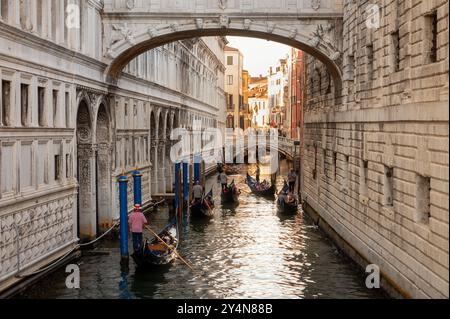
(268,192)
(203,208)
(230,194)
(230,170)
(287,208)
(156,253)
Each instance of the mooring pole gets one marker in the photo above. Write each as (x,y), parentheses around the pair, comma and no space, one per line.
(180,195)
(190,182)
(185,183)
(137,178)
(123,185)
(197,168)
(177,188)
(203,177)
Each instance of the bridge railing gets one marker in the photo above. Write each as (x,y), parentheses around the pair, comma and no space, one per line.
(285,145)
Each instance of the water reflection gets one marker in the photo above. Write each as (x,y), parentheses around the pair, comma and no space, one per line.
(246,251)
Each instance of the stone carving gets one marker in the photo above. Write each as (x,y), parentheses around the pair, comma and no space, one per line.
(222,4)
(247,24)
(40,229)
(121,32)
(315,4)
(199,23)
(174,27)
(293,33)
(131,4)
(84,134)
(270,27)
(151,32)
(322,36)
(224,21)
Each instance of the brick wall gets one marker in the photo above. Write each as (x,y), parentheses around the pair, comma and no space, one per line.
(375,167)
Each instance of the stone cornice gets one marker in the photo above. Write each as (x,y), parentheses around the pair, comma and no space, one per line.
(31,39)
(414,112)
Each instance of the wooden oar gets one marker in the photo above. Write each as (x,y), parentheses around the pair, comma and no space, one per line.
(174,249)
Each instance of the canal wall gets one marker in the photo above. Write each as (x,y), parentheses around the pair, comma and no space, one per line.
(375,164)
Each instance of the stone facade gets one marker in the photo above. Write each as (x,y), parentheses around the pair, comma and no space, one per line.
(66,134)
(234,62)
(375,167)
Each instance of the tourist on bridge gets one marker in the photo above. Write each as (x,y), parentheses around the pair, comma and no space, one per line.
(223,178)
(292,178)
(137,220)
(197,191)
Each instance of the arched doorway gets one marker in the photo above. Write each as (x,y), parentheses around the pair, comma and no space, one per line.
(316,40)
(86,200)
(103,169)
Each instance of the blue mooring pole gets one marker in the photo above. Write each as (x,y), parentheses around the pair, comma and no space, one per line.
(196,168)
(123,185)
(177,184)
(185,183)
(137,178)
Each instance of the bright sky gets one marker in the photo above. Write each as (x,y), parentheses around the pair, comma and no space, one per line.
(259,54)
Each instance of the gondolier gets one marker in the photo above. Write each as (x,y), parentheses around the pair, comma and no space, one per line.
(137,220)
(292,178)
(258,172)
(223,179)
(197,191)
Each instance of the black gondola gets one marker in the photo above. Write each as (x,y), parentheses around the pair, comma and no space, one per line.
(287,207)
(155,252)
(268,192)
(230,170)
(204,207)
(230,194)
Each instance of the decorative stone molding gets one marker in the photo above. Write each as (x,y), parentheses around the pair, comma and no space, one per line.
(270,27)
(315,4)
(224,21)
(222,4)
(247,23)
(34,232)
(199,23)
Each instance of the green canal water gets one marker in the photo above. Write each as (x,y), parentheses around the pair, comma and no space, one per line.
(249,251)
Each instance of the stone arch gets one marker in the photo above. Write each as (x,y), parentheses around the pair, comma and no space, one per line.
(103,159)
(317,42)
(86,213)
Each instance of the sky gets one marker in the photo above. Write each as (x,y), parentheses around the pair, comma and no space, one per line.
(259,54)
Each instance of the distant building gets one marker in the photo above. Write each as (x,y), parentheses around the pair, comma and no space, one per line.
(258,102)
(297,86)
(278,93)
(234,61)
(245,114)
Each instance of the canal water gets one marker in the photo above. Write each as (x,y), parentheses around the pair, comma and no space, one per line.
(248,251)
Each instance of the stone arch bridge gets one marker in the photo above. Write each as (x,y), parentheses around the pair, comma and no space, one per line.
(135,26)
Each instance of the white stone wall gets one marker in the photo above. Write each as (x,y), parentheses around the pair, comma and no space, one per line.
(39,151)
(391,121)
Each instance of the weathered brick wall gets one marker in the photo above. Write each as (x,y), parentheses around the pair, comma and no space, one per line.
(393,120)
